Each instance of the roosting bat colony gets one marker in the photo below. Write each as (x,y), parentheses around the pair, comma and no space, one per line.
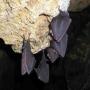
(31,26)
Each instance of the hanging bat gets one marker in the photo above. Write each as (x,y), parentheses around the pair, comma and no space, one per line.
(28,61)
(60,25)
(43,70)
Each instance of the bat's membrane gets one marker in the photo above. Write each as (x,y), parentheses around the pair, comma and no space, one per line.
(28,60)
(52,54)
(43,70)
(60,25)
(61,46)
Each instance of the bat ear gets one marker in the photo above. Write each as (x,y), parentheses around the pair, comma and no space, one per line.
(43,70)
(61,46)
(60,25)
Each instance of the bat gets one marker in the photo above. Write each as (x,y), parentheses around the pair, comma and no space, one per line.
(28,60)
(61,46)
(43,70)
(60,25)
(52,54)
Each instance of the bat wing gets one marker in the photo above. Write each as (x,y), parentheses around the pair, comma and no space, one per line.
(60,25)
(28,60)
(43,70)
(23,64)
(61,46)
(52,54)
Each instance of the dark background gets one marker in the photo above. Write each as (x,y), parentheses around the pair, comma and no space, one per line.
(69,73)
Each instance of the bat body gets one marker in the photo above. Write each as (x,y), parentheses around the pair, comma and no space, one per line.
(61,46)
(60,25)
(28,61)
(43,70)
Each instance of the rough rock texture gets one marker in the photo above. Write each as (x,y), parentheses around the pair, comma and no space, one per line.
(31,17)
(78,5)
(27,17)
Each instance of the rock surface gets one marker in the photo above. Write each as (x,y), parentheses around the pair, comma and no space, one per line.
(27,17)
(78,5)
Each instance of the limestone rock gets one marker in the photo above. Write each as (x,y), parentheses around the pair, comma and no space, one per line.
(27,17)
